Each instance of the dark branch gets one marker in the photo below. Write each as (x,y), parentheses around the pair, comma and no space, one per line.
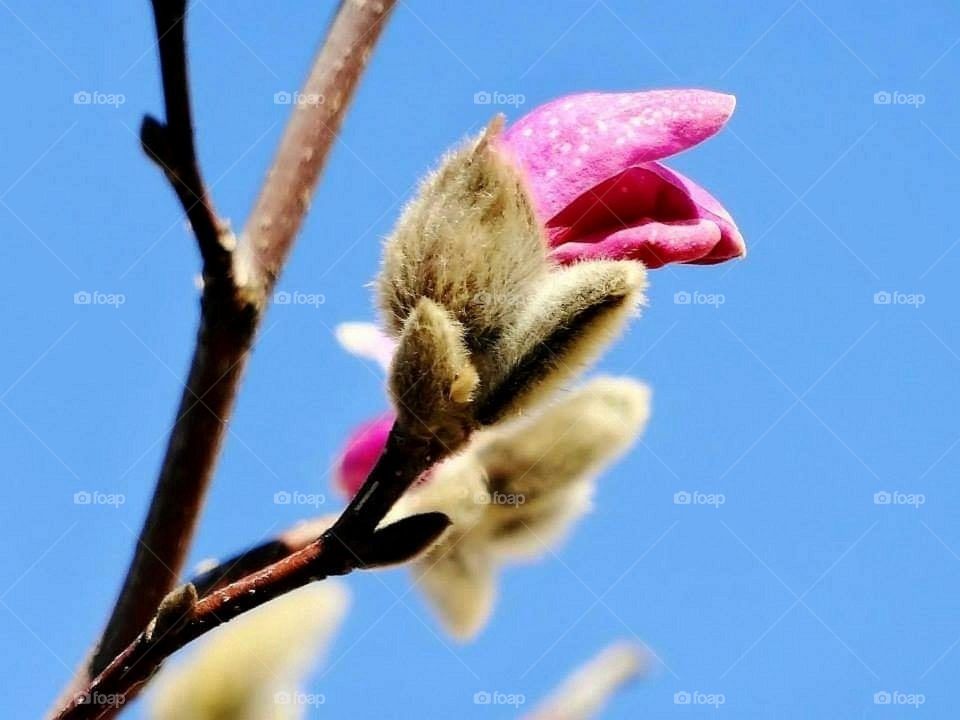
(260,556)
(349,545)
(171,144)
(232,306)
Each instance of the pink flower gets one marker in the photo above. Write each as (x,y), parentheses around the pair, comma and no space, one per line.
(591,164)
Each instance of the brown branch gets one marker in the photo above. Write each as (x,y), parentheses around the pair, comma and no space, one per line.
(181,621)
(171,144)
(283,202)
(123,678)
(260,556)
(236,289)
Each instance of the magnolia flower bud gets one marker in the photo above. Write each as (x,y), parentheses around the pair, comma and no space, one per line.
(516,489)
(486,322)
(249,668)
(551,459)
(584,694)
(469,241)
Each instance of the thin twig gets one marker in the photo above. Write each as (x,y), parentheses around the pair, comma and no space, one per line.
(260,556)
(331,554)
(317,116)
(125,676)
(237,286)
(227,326)
(171,144)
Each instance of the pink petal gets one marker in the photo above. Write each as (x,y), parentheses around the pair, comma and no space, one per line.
(654,244)
(362,450)
(731,244)
(648,213)
(576,142)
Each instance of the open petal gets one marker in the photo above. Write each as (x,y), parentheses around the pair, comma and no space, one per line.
(648,213)
(731,244)
(362,450)
(654,244)
(575,142)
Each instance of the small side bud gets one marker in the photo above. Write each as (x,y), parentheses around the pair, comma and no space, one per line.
(175,609)
(432,380)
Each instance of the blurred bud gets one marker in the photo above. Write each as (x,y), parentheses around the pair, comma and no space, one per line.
(583,695)
(244,669)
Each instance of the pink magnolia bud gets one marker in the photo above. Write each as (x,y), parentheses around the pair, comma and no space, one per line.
(590,162)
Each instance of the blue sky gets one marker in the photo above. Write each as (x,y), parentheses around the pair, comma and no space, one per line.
(797,399)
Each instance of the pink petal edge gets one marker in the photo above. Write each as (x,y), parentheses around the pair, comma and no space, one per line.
(652,243)
(361,452)
(731,243)
(575,142)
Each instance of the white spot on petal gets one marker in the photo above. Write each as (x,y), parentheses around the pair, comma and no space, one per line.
(527,132)
(583,148)
(552,173)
